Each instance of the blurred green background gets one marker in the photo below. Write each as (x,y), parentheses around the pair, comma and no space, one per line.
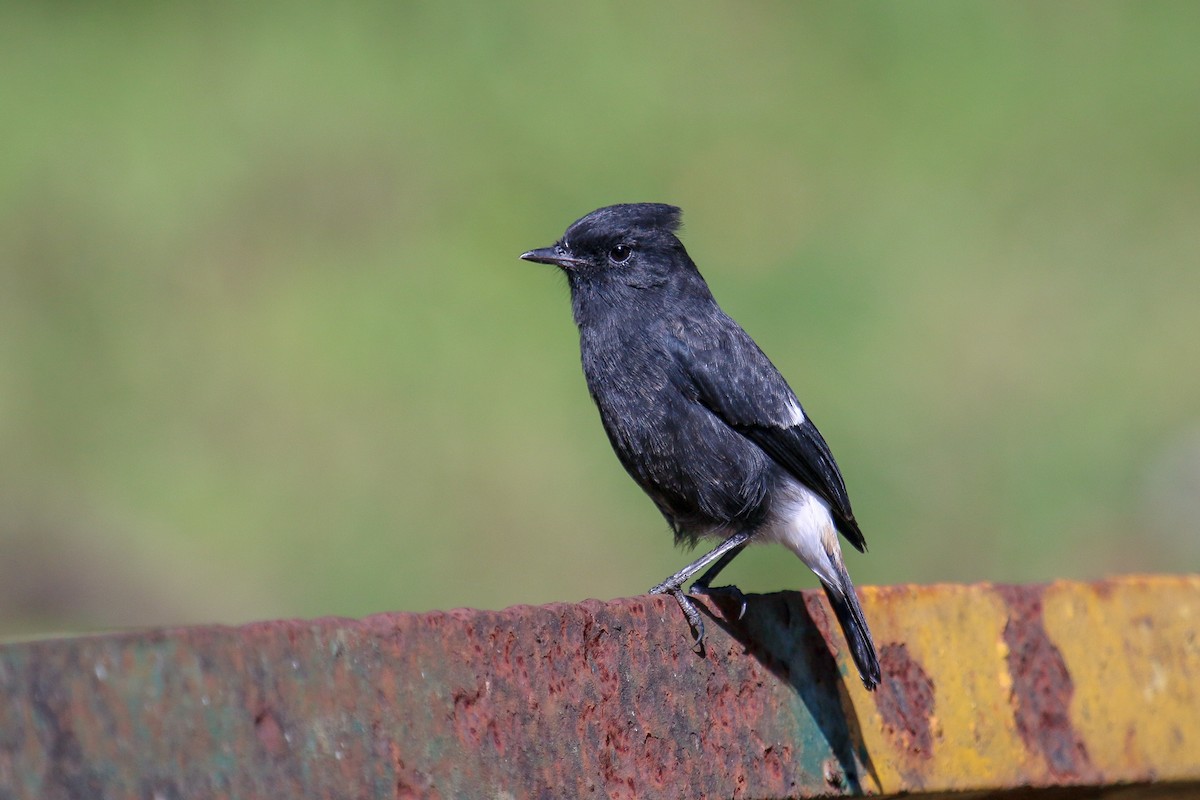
(266,348)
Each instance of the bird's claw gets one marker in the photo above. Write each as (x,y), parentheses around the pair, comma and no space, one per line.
(689,611)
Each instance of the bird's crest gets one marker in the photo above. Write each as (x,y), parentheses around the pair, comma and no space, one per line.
(629,217)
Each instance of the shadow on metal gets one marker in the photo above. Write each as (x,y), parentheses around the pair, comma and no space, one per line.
(782,633)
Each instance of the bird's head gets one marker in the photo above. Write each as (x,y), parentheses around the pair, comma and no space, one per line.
(633,245)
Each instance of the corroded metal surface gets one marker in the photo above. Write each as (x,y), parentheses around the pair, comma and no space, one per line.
(986,689)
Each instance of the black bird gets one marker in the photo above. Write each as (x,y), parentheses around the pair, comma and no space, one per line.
(698,415)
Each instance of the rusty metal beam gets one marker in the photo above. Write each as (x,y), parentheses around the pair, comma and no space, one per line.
(1069,688)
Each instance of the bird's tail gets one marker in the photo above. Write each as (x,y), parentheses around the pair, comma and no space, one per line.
(854,625)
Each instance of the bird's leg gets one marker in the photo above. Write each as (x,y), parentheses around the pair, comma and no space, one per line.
(701,584)
(704,580)
(673,585)
(721,551)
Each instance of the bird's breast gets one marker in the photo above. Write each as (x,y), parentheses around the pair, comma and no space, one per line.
(701,473)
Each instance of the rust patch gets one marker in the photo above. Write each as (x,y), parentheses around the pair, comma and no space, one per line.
(1103,588)
(906,701)
(270,733)
(818,611)
(604,699)
(1041,686)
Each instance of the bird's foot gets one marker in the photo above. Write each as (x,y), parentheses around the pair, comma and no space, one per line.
(689,609)
(721,591)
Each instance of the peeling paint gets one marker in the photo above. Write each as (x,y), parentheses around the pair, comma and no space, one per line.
(1041,687)
(905,700)
(985,688)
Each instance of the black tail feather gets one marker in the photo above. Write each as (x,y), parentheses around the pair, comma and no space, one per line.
(854,627)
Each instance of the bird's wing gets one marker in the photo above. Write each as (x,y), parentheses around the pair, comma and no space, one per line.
(735,380)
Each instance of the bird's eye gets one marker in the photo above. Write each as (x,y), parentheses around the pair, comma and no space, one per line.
(620,254)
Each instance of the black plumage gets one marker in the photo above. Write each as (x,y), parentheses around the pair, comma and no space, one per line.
(698,415)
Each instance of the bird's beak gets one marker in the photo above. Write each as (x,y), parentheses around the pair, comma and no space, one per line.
(550,255)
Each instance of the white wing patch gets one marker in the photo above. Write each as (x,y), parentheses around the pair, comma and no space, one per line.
(796,412)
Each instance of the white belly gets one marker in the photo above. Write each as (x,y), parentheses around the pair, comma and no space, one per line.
(801,522)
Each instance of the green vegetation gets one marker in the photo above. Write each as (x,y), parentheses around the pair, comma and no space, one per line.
(266,347)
